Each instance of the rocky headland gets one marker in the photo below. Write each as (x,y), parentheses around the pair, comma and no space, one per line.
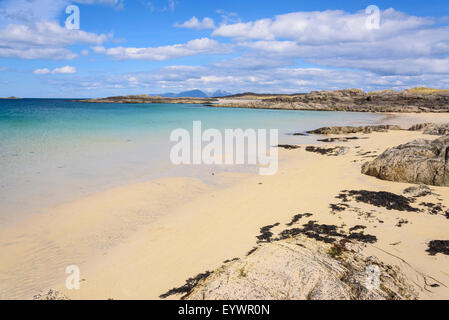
(414,100)
(144,98)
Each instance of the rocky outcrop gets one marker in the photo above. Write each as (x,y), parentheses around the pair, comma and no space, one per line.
(440,129)
(331,151)
(339,100)
(347,100)
(138,99)
(421,162)
(348,129)
(305,269)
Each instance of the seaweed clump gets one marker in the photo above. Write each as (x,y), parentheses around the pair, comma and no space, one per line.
(380,199)
(188,287)
(438,246)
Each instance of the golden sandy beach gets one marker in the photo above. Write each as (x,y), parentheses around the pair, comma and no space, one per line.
(138,241)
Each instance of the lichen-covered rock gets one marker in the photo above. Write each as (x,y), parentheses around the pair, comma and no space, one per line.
(421,161)
(305,269)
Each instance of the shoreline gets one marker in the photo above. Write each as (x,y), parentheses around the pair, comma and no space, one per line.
(127,249)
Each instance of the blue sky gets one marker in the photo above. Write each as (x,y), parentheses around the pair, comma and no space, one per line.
(141,46)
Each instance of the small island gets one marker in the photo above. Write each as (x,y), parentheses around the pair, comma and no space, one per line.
(10,98)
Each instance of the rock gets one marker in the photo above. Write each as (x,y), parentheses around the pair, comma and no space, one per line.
(345,100)
(348,129)
(305,269)
(418,191)
(441,129)
(333,151)
(421,162)
(342,139)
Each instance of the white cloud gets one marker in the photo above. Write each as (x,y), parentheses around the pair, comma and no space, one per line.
(47,33)
(62,70)
(193,47)
(276,80)
(322,26)
(28,29)
(194,23)
(38,53)
(403,45)
(43,40)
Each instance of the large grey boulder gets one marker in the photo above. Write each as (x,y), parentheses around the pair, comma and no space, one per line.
(305,269)
(421,161)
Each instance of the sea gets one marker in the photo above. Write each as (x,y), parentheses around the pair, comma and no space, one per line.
(57,150)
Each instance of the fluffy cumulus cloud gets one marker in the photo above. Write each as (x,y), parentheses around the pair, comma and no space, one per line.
(193,47)
(294,52)
(62,70)
(402,45)
(211,78)
(194,23)
(29,30)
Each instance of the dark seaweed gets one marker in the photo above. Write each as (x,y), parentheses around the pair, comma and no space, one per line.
(250,252)
(358,227)
(401,222)
(288,146)
(266,234)
(188,287)
(298,217)
(382,199)
(432,207)
(338,207)
(438,246)
(325,233)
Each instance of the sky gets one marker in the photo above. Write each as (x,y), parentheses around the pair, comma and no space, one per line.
(285,46)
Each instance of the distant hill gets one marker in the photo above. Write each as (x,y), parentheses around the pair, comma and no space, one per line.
(194,94)
(220,93)
(186,94)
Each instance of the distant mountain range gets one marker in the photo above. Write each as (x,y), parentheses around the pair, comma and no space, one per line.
(194,94)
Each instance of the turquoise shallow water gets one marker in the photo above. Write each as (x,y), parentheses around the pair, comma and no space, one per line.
(54,150)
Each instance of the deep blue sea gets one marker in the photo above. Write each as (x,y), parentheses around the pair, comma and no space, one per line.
(56,150)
